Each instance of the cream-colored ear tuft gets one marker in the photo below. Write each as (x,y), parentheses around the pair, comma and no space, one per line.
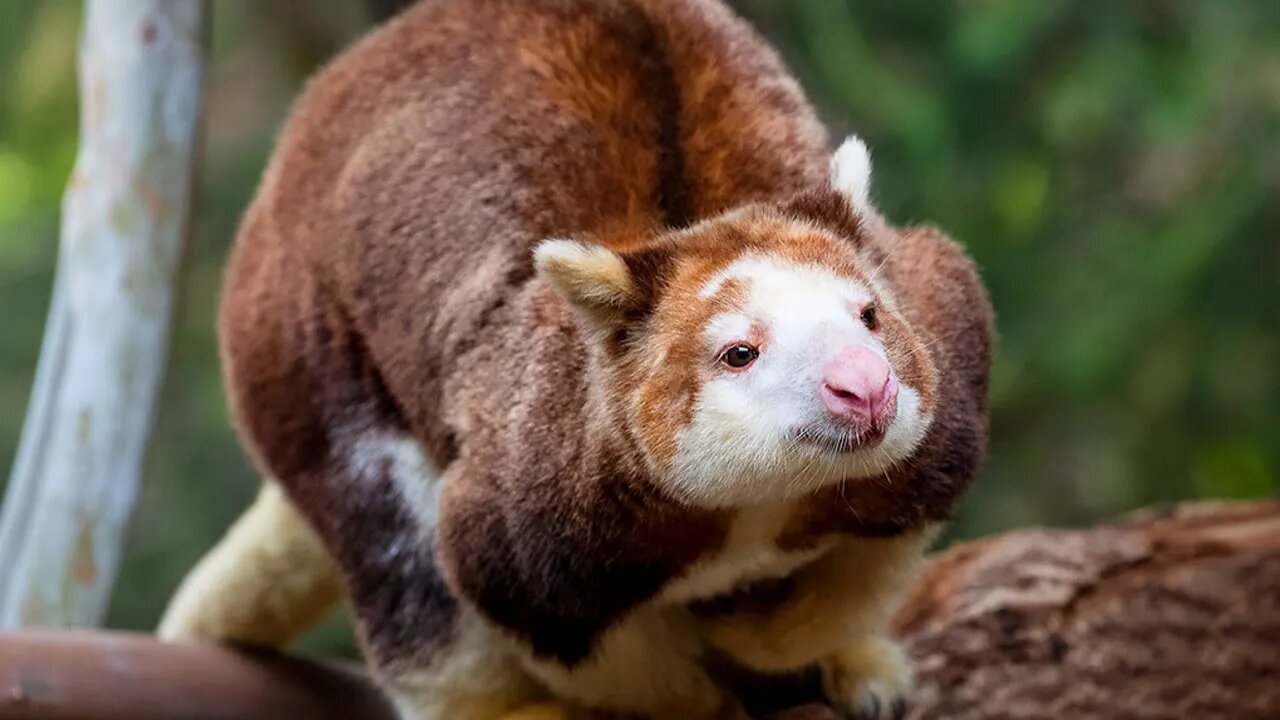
(591,277)
(851,172)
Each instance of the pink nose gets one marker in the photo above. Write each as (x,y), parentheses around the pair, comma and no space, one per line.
(859,386)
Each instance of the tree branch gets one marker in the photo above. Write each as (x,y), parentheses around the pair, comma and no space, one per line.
(75,675)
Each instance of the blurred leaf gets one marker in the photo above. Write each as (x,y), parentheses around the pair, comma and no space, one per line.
(1235,469)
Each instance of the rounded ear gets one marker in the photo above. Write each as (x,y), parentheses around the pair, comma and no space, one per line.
(590,277)
(851,173)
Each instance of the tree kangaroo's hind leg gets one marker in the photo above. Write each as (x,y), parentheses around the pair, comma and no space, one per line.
(264,583)
(272,577)
(438,659)
(309,404)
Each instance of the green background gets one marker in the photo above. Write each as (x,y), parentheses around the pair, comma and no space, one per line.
(1113,167)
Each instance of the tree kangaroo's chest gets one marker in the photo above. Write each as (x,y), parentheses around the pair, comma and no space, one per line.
(750,554)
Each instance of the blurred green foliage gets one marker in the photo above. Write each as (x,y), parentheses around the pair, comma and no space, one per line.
(1114,168)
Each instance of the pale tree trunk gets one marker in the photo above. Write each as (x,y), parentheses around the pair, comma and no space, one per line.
(106,341)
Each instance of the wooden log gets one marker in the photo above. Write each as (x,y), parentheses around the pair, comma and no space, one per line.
(84,675)
(1169,613)
(106,343)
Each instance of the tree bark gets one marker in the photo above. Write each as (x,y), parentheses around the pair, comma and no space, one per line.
(1166,614)
(1171,613)
(106,341)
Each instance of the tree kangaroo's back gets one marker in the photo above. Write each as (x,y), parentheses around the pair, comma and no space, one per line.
(574,354)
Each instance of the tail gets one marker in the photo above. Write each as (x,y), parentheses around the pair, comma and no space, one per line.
(265,583)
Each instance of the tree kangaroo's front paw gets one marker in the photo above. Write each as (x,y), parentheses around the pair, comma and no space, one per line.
(869,681)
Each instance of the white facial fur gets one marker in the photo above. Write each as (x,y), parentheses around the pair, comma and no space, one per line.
(740,447)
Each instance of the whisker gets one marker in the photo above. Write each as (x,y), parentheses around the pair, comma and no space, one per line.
(875,274)
(843,486)
(943,338)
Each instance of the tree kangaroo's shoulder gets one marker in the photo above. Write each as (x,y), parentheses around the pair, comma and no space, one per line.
(938,278)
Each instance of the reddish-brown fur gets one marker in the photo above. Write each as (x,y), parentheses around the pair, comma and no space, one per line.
(382,281)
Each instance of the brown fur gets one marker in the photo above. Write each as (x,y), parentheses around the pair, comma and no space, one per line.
(382,282)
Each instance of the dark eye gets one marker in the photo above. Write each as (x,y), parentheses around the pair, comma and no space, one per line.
(869,317)
(739,356)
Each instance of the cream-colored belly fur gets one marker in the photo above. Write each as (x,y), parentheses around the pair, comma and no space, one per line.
(750,554)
